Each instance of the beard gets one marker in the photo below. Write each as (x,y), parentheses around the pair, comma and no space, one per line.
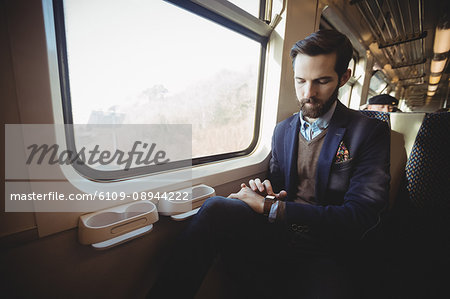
(317,108)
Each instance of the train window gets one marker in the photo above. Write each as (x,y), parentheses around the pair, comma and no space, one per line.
(153,62)
(250,6)
(345,92)
(377,83)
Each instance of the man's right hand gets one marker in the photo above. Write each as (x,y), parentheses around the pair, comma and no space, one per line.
(264,188)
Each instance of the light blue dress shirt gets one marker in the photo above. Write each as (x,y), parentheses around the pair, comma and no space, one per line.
(310,131)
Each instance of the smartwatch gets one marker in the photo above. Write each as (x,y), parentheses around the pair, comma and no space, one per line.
(268,202)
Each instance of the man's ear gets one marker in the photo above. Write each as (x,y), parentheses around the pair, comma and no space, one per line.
(345,77)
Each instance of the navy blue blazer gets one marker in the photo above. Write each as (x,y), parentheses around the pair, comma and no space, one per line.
(350,194)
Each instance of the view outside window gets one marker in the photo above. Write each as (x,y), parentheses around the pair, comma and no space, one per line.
(250,6)
(150,62)
(377,83)
(345,91)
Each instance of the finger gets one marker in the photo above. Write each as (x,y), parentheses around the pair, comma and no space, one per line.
(268,187)
(281,195)
(253,185)
(259,185)
(232,195)
(243,185)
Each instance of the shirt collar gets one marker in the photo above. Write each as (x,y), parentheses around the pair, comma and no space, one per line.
(323,121)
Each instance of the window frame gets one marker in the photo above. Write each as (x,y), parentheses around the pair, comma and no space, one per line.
(352,80)
(113,175)
(382,76)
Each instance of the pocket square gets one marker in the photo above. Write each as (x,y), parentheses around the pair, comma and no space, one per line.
(342,153)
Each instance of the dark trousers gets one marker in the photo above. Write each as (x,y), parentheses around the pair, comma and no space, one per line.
(262,258)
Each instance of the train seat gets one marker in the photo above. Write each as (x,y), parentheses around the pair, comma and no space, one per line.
(424,195)
(404,128)
(384,116)
(428,167)
(418,225)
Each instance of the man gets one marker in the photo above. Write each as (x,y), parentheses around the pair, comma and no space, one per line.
(293,234)
(383,103)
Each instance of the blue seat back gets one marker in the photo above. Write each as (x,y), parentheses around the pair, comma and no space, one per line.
(384,116)
(428,167)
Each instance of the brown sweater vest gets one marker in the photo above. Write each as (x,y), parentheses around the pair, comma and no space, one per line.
(308,155)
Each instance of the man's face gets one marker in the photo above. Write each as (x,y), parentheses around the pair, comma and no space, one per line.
(316,83)
(381,108)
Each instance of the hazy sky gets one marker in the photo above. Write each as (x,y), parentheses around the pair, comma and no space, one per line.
(117,49)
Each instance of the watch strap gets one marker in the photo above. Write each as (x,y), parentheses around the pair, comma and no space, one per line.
(268,202)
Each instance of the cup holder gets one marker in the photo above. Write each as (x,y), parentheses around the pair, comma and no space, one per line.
(116,225)
(183,209)
(103,219)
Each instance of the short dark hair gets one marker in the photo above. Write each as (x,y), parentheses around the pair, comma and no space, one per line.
(326,41)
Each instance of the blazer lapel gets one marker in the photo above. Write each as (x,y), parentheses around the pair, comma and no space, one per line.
(291,148)
(335,134)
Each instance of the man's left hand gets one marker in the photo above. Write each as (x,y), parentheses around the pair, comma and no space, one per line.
(250,197)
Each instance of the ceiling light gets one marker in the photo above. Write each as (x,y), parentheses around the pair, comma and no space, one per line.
(441,40)
(431,93)
(432,87)
(435,79)
(387,67)
(437,66)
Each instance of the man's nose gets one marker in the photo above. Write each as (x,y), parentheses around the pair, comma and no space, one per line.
(309,90)
(385,108)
